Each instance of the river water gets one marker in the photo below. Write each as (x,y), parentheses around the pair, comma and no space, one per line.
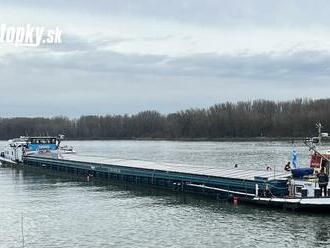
(54,211)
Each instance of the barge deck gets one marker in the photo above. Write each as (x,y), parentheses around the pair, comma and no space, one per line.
(220,182)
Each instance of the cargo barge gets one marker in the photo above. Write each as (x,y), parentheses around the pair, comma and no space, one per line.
(180,177)
(295,189)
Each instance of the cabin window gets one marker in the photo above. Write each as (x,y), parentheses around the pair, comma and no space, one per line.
(298,189)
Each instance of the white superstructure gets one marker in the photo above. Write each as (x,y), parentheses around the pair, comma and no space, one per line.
(24,146)
(15,148)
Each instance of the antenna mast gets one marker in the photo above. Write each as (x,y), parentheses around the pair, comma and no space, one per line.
(319,129)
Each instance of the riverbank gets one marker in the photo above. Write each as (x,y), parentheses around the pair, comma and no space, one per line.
(224,139)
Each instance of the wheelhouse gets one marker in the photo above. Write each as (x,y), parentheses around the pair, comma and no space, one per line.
(42,143)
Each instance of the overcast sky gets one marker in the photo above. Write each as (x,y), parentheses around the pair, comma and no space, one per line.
(124,56)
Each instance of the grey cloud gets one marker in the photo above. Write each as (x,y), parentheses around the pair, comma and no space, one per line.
(93,58)
(76,43)
(263,66)
(99,82)
(289,13)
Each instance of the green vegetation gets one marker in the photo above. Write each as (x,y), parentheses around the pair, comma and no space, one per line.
(295,118)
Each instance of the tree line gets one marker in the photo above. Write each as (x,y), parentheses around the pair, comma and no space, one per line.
(259,118)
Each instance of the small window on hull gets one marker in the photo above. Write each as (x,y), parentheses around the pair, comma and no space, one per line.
(298,189)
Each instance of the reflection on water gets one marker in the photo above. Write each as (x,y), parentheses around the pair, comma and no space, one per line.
(62,212)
